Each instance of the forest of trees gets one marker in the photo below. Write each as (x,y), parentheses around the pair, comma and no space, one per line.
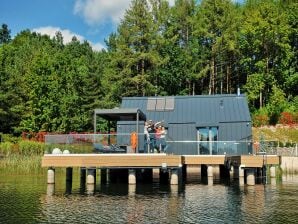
(193,47)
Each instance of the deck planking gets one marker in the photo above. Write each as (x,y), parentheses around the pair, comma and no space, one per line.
(112,160)
(153,160)
(255,161)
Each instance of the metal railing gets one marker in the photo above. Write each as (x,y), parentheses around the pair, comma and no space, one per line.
(126,143)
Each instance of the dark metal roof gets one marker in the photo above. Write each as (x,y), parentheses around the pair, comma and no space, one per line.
(203,110)
(120,114)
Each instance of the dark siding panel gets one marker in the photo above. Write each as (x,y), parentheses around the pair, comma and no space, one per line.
(232,118)
(182,132)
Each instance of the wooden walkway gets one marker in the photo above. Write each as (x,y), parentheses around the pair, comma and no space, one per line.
(153,160)
(112,160)
(255,161)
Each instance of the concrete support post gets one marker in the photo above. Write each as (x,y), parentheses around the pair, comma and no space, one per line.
(250,179)
(210,175)
(272,171)
(132,176)
(241,171)
(210,171)
(216,172)
(91,174)
(50,189)
(90,189)
(174,189)
(241,175)
(231,172)
(51,175)
(132,189)
(174,177)
(155,175)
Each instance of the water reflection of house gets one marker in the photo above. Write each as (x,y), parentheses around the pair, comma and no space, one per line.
(213,124)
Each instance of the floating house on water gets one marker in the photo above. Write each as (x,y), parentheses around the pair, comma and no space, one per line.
(202,124)
(205,133)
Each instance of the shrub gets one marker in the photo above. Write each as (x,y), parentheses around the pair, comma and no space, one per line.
(31,148)
(19,164)
(287,118)
(6,148)
(10,138)
(260,120)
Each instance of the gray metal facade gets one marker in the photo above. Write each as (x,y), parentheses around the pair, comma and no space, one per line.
(185,115)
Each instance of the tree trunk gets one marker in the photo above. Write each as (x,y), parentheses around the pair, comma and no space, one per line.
(211,87)
(228,77)
(261,100)
(193,88)
(143,77)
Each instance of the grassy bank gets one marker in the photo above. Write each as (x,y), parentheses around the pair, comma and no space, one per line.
(24,157)
(279,133)
(21,164)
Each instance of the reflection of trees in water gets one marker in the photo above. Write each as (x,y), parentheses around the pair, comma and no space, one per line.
(143,204)
(19,197)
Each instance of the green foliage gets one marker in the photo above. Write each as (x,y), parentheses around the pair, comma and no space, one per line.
(28,148)
(6,148)
(10,138)
(20,164)
(260,118)
(287,118)
(280,134)
(4,34)
(193,47)
(276,104)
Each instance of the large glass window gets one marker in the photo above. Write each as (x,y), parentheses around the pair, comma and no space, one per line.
(207,140)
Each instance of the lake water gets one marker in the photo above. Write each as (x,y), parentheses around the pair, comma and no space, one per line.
(28,199)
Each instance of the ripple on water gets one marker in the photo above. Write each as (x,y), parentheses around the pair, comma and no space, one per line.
(26,201)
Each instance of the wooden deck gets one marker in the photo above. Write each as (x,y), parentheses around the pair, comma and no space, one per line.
(254,161)
(153,160)
(111,160)
(204,159)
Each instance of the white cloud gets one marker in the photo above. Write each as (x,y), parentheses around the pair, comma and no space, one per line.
(171,2)
(96,12)
(97,46)
(51,31)
(100,11)
(67,36)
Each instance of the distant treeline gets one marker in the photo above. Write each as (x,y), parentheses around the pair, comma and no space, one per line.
(193,47)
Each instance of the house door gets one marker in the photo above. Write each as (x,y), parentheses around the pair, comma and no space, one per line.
(207,138)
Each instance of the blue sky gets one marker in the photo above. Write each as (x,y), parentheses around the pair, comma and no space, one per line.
(91,20)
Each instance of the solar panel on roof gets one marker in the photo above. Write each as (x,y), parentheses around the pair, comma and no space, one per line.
(160,104)
(169,105)
(151,102)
